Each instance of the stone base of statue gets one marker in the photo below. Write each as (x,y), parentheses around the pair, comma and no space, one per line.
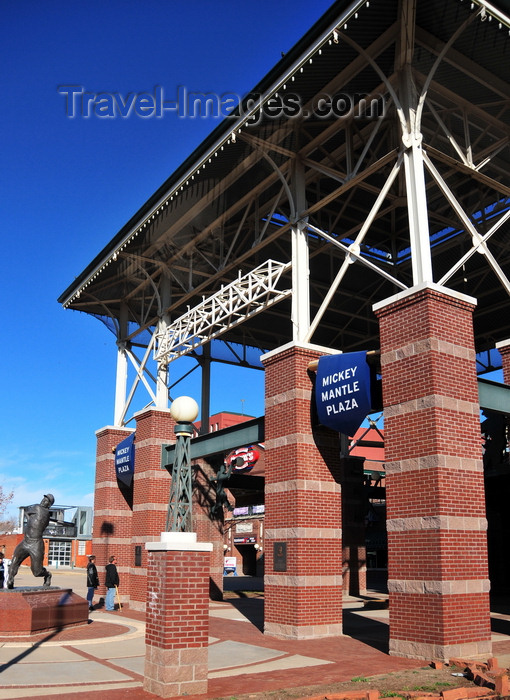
(28,611)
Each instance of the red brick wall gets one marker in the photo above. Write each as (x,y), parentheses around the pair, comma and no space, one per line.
(8,544)
(150,495)
(175,577)
(112,510)
(80,560)
(177,622)
(437,552)
(303,506)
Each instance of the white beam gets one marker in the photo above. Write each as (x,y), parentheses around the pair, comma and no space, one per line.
(421,258)
(474,249)
(478,240)
(122,368)
(230,306)
(162,369)
(354,249)
(300,261)
(120,383)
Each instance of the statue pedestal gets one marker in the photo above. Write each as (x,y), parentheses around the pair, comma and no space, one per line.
(26,611)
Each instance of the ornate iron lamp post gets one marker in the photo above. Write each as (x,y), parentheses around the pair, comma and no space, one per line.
(184,411)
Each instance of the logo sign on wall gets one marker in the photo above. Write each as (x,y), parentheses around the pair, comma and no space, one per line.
(243,459)
(125,460)
(342,391)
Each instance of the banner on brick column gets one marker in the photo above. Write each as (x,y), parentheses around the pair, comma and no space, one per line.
(342,391)
(125,460)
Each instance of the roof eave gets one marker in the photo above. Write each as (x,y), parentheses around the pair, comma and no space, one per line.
(338,13)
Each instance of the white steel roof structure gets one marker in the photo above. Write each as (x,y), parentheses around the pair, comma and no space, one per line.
(372,158)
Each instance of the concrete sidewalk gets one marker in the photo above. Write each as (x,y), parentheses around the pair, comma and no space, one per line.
(106,658)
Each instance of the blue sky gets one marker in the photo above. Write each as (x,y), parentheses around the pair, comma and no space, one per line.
(69,184)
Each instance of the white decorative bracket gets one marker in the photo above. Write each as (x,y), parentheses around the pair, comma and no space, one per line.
(233,304)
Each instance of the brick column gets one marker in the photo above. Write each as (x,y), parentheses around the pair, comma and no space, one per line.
(112,505)
(209,527)
(303,536)
(437,549)
(496,495)
(177,622)
(154,427)
(354,503)
(504,351)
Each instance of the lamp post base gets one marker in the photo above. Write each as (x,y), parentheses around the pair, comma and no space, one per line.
(177,627)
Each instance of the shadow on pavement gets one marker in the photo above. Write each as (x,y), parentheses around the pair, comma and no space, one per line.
(26,652)
(500,603)
(370,632)
(243,583)
(500,626)
(252,609)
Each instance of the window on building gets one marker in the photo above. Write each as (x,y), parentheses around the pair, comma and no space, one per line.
(83,522)
(59,552)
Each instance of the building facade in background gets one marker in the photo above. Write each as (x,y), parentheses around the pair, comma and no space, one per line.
(67,539)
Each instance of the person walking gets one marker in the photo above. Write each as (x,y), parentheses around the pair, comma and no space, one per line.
(92,581)
(111,583)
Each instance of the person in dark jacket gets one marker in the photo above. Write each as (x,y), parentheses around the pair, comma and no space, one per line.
(92,580)
(111,583)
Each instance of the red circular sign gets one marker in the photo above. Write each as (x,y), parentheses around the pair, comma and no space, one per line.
(243,459)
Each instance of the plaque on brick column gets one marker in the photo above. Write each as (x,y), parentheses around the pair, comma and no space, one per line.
(138,555)
(280,556)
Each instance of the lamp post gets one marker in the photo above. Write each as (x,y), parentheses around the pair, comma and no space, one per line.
(184,411)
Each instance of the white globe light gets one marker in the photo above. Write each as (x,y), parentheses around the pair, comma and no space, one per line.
(184,409)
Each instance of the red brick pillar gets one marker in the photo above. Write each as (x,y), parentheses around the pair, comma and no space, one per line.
(154,427)
(496,493)
(209,525)
(303,536)
(177,621)
(437,549)
(504,351)
(112,506)
(354,504)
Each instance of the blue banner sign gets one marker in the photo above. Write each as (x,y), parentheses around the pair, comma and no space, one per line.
(125,460)
(342,391)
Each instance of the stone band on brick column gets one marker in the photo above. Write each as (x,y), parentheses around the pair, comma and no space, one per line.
(437,549)
(112,507)
(303,536)
(177,622)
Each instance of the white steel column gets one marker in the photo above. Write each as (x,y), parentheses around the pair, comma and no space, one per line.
(163,323)
(300,261)
(122,369)
(415,183)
